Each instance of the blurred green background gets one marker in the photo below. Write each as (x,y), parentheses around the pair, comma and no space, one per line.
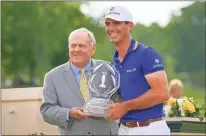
(34,40)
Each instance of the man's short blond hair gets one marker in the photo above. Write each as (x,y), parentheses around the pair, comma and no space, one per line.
(176,82)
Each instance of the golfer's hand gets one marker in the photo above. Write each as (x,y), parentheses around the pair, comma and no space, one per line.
(116,111)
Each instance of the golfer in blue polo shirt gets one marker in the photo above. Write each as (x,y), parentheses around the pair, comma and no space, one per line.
(143,81)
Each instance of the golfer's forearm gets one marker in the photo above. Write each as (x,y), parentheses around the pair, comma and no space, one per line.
(147,100)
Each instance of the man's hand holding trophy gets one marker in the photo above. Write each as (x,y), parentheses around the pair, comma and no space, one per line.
(104,81)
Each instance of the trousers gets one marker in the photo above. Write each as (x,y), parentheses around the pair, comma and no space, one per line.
(154,128)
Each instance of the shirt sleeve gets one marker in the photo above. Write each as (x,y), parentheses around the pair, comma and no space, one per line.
(151,61)
(68,115)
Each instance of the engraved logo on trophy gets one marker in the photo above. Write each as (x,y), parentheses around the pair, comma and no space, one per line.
(104,80)
(102,85)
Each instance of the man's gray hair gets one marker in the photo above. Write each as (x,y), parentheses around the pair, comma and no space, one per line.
(90,34)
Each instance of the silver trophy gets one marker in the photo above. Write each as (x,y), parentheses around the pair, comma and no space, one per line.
(104,80)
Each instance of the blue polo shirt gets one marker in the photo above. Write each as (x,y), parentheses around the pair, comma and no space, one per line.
(139,61)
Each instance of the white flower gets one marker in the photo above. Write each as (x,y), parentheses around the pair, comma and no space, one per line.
(191,99)
(167,109)
(182,113)
(180,102)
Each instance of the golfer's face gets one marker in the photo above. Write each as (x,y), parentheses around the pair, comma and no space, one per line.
(116,30)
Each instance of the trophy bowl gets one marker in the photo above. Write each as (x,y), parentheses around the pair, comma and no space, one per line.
(104,81)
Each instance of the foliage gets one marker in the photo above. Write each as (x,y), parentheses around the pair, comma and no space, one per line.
(197,93)
(34,40)
(189,38)
(184,107)
(31,39)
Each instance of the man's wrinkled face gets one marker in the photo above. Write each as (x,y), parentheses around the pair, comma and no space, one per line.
(117,30)
(80,49)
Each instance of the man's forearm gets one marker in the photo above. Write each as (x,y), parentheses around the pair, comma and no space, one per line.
(54,115)
(147,100)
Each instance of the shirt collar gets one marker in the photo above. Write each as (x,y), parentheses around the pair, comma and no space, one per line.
(76,70)
(132,47)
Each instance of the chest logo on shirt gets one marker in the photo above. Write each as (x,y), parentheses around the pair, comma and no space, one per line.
(131,70)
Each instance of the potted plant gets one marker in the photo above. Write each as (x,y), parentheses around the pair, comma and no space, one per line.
(185,115)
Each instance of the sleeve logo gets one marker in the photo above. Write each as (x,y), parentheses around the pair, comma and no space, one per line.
(157,61)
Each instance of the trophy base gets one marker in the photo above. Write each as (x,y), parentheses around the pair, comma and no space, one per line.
(97,107)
